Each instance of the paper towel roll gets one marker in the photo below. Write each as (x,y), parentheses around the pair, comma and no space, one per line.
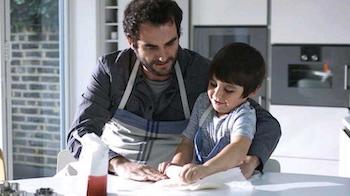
(93,165)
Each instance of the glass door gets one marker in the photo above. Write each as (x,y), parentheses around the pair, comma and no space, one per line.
(34,86)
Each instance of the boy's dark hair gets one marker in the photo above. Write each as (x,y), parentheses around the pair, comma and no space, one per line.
(156,12)
(240,64)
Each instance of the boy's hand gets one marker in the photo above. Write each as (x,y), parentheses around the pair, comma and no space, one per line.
(191,173)
(162,166)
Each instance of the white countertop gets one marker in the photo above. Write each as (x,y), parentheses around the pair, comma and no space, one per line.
(267,184)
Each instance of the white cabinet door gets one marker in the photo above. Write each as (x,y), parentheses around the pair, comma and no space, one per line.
(229,12)
(309,132)
(310,21)
(308,166)
(310,138)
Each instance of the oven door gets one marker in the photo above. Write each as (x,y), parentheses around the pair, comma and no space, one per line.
(313,75)
(208,40)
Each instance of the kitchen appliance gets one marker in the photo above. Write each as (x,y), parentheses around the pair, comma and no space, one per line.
(310,75)
(207,40)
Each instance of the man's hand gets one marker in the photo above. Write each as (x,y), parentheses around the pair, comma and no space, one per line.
(163,166)
(249,165)
(124,168)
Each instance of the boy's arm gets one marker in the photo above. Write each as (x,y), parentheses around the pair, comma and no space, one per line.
(183,153)
(230,156)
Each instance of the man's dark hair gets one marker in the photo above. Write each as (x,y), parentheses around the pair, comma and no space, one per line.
(240,64)
(156,12)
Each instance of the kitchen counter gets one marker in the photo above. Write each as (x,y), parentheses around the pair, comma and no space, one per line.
(268,184)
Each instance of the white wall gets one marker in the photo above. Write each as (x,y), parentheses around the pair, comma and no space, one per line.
(83,47)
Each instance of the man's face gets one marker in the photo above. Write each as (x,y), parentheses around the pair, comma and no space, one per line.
(157,49)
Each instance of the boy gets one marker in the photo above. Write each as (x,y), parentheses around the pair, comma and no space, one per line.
(222,124)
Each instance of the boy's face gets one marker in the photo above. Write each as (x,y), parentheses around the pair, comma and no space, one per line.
(224,96)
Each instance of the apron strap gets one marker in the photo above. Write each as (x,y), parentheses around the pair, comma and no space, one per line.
(205,115)
(130,85)
(182,91)
(180,80)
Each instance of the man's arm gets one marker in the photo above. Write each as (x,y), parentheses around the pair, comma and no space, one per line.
(94,110)
(268,133)
(249,165)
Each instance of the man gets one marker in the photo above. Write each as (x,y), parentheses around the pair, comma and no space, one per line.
(139,100)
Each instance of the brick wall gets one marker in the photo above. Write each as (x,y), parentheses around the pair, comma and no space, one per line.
(35,98)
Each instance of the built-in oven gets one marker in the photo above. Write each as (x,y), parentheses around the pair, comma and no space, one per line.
(310,75)
(207,40)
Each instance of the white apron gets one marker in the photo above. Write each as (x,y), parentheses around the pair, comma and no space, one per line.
(141,140)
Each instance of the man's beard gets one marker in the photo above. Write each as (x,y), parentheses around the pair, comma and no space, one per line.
(150,67)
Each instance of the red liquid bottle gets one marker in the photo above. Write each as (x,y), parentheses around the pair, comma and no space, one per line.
(97,186)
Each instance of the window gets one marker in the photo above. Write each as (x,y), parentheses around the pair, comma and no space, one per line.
(34,86)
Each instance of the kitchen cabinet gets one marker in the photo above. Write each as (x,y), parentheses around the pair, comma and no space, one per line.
(310,138)
(229,12)
(310,135)
(108,30)
(310,21)
(109,26)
